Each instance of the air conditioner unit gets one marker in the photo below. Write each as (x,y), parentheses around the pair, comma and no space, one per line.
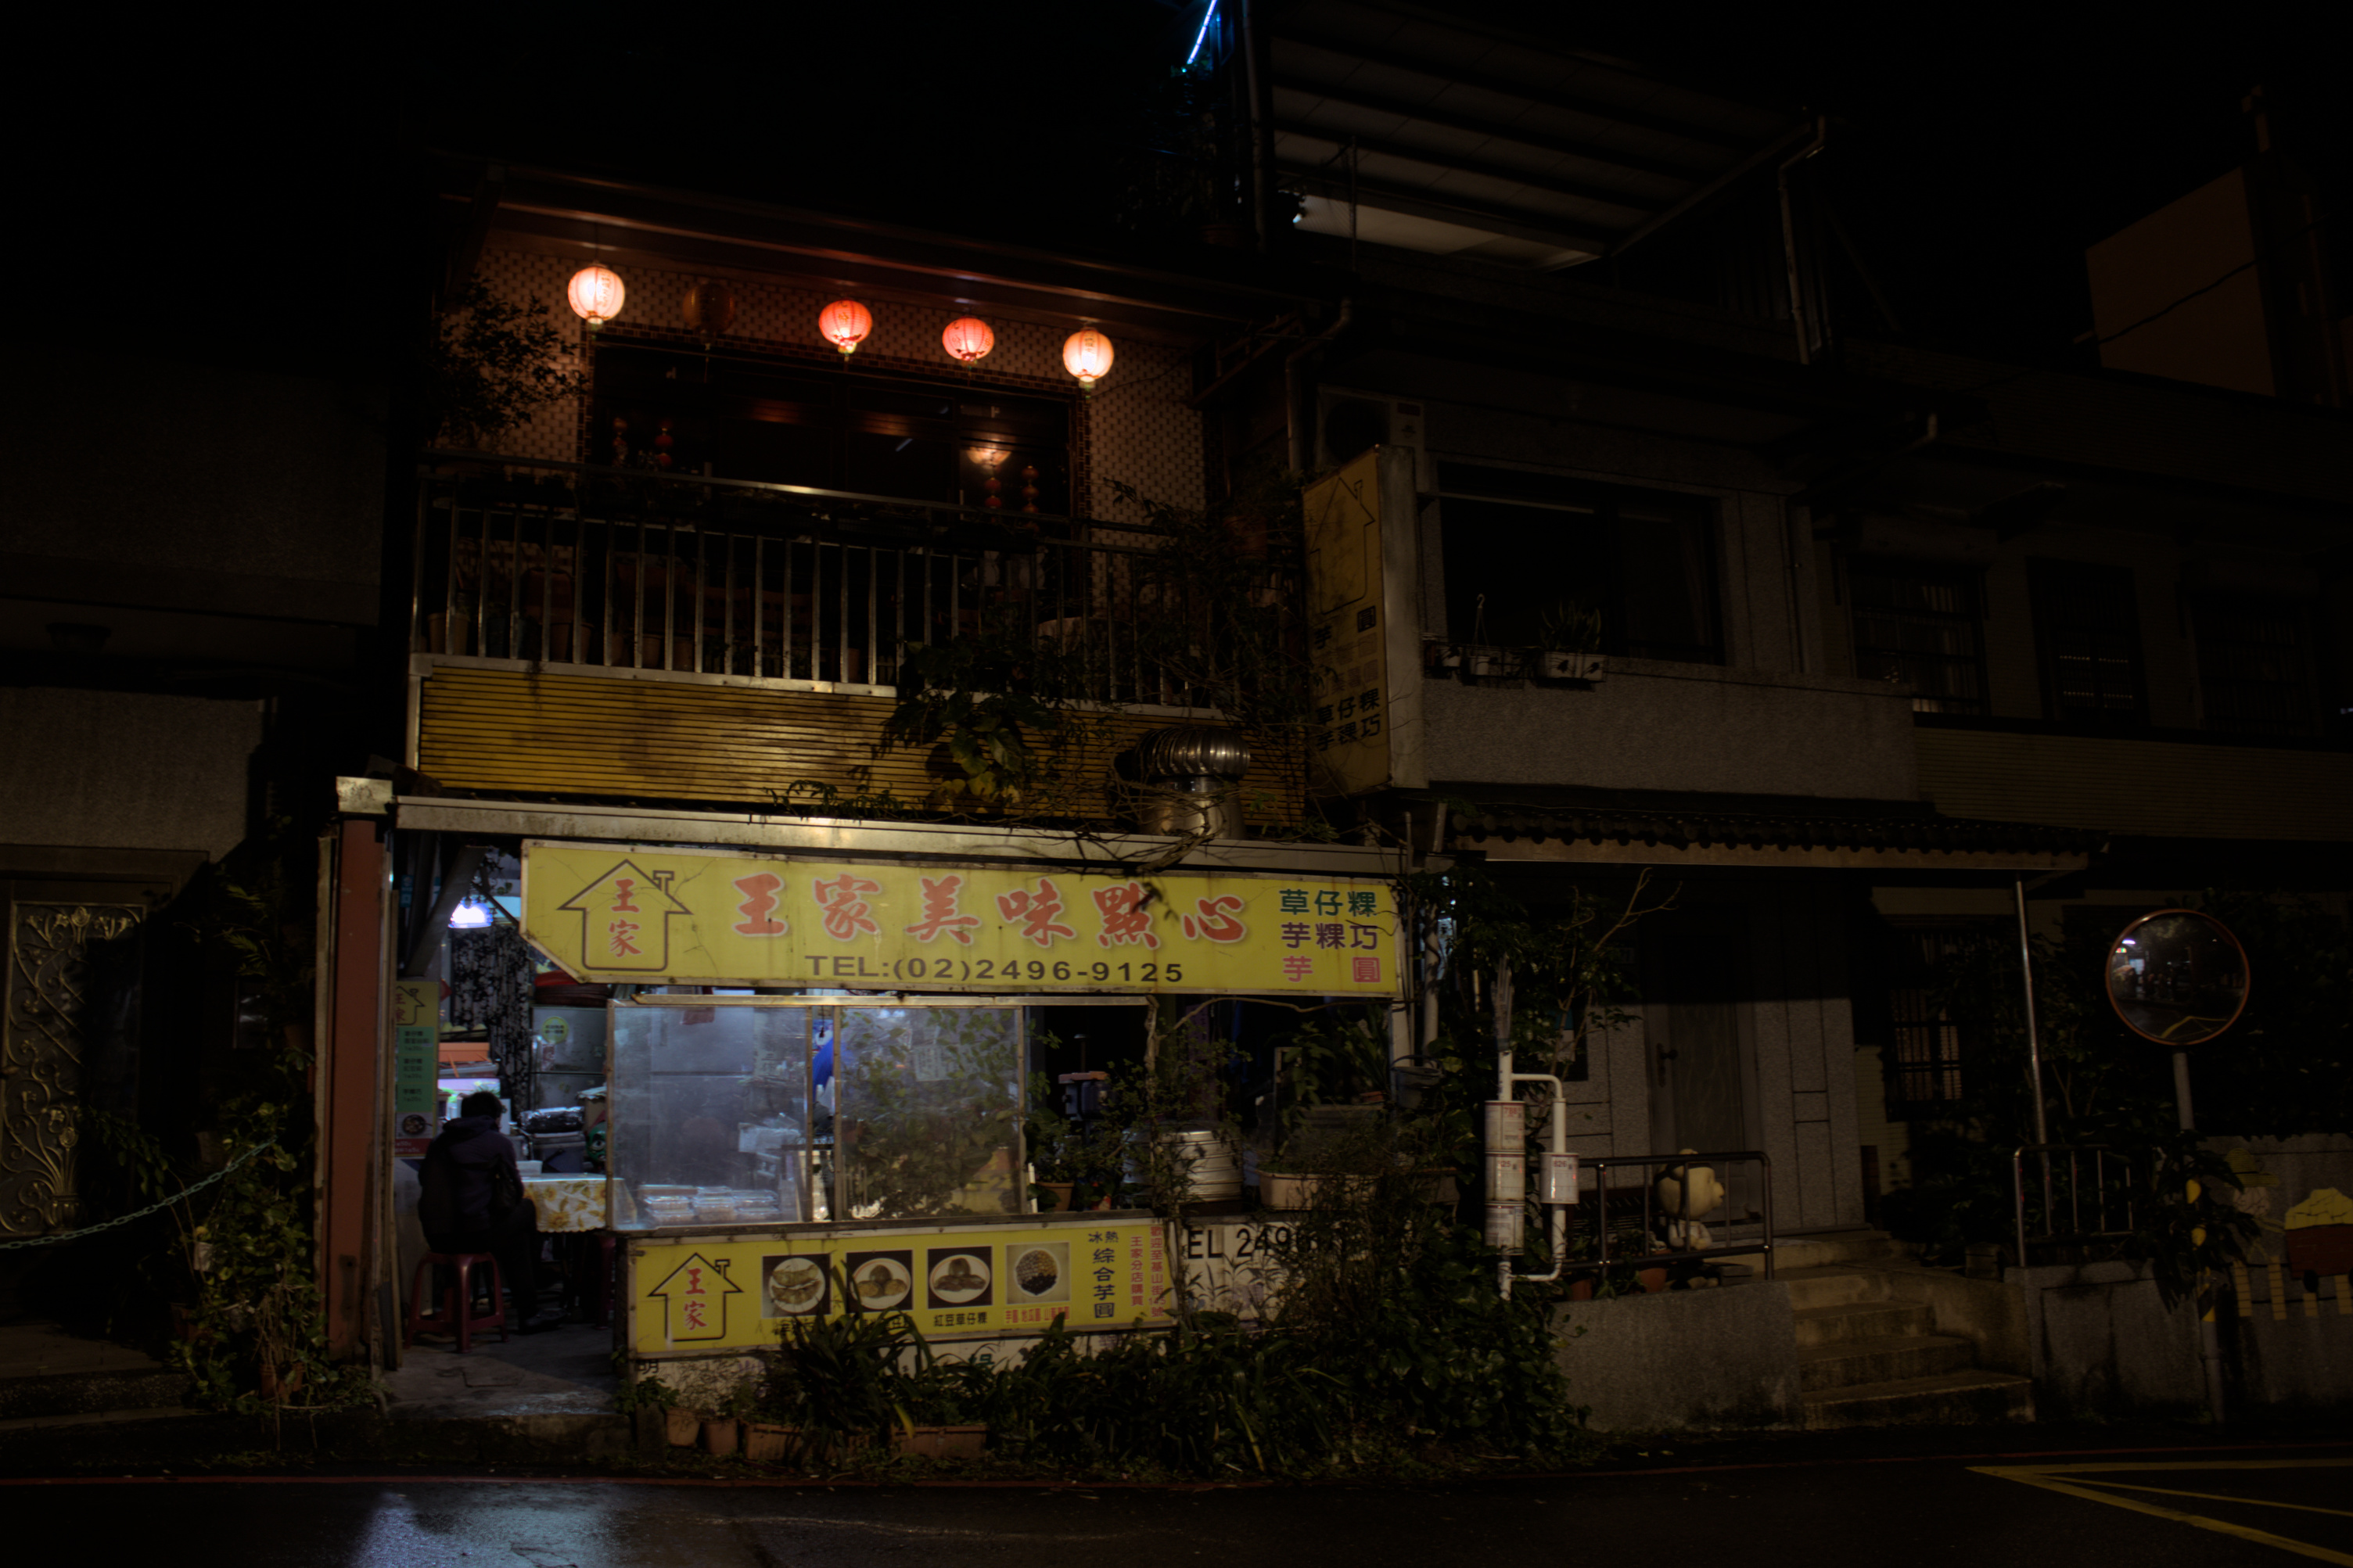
(1348,422)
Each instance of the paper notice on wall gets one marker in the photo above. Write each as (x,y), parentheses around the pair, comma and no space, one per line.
(1349,745)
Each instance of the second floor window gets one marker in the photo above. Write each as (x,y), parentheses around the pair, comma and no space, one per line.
(828,427)
(2087,629)
(2254,665)
(1531,557)
(1921,625)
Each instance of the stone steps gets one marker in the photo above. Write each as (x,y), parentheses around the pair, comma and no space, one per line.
(1881,1359)
(1851,1320)
(1868,1358)
(1952,1398)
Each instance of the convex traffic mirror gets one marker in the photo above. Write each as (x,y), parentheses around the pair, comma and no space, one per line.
(2178,977)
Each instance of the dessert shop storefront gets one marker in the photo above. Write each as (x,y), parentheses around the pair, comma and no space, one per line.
(818,1066)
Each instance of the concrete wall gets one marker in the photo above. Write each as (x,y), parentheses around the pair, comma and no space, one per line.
(201,490)
(118,770)
(1684,1358)
(2101,1342)
(1693,727)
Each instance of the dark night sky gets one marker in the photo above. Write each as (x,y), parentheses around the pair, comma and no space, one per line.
(1979,151)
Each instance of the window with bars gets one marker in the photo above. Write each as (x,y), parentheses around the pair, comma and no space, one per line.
(1921,625)
(2254,665)
(2087,629)
(1926,1069)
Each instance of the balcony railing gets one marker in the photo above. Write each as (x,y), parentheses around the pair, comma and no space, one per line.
(562,563)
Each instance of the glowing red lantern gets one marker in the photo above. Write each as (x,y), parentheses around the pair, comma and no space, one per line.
(1086,354)
(844,324)
(595,294)
(968,339)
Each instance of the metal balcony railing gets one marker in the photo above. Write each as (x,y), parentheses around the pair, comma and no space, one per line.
(568,564)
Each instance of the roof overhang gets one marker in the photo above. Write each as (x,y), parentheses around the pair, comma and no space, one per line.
(620,222)
(1456,140)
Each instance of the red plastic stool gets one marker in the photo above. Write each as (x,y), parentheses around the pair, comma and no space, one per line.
(457,1314)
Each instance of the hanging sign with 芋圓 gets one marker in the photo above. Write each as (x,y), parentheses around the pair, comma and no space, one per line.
(651,916)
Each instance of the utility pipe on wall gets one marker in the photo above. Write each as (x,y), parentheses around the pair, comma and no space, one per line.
(1290,383)
(1789,236)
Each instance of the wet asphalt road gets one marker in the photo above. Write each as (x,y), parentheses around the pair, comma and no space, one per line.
(1905,1511)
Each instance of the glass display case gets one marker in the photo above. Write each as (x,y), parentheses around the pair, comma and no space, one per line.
(745,1110)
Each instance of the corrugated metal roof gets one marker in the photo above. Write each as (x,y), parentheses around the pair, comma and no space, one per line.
(1455,139)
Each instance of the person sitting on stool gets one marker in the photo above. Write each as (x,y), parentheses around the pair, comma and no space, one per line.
(472,1200)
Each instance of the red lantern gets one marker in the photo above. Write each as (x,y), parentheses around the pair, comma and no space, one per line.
(595,294)
(968,339)
(1086,354)
(844,324)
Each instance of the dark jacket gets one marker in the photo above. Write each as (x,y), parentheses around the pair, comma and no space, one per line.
(460,1172)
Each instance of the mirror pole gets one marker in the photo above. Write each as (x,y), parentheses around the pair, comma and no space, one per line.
(2033,1039)
(2210,1332)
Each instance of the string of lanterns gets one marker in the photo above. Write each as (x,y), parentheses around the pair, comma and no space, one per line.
(595,294)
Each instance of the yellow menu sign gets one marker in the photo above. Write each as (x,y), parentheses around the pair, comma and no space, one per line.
(693,1294)
(606,914)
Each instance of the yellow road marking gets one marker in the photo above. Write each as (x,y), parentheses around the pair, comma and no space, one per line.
(2046,1476)
(2218,1497)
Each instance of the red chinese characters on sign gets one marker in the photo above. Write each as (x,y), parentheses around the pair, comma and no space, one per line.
(695,1308)
(1040,910)
(620,935)
(1367,969)
(1214,920)
(1297,966)
(758,909)
(841,902)
(942,896)
(1125,918)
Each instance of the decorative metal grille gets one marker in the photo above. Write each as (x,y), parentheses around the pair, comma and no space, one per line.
(49,1025)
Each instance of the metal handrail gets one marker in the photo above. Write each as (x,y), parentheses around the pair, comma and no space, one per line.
(1601,1207)
(685,573)
(2045,1154)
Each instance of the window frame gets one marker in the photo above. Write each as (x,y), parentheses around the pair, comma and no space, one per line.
(1968,580)
(1605,504)
(2059,592)
(2206,609)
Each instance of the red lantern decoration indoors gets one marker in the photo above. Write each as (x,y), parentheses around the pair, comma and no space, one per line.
(844,324)
(968,339)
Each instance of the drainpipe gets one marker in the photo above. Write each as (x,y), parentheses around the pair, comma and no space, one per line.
(1290,383)
(1257,128)
(1789,236)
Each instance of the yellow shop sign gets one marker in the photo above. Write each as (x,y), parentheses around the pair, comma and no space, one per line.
(729,1294)
(605,913)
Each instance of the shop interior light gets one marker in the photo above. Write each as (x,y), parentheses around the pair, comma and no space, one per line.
(472,914)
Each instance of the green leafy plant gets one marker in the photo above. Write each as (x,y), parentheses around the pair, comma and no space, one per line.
(491,364)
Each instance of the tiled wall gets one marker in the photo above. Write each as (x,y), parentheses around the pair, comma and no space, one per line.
(1135,427)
